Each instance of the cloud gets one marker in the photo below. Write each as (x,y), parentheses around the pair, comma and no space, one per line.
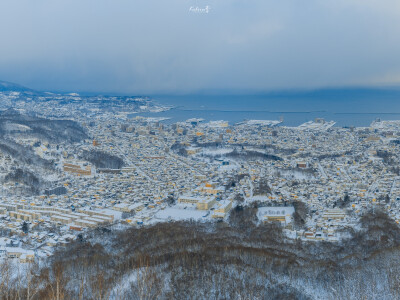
(160,46)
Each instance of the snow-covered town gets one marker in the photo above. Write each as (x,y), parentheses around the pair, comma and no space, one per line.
(239,150)
(114,167)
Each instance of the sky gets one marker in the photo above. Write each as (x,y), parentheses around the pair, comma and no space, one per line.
(170,46)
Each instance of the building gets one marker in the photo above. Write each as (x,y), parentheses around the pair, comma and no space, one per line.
(301,164)
(20,216)
(77,169)
(283,214)
(202,203)
(211,188)
(221,208)
(334,214)
(189,199)
(205,203)
(128,208)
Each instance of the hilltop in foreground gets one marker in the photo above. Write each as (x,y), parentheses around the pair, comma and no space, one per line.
(232,260)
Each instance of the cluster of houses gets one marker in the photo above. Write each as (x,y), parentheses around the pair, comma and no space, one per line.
(196,169)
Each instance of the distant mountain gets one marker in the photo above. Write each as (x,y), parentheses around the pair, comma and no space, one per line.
(13,87)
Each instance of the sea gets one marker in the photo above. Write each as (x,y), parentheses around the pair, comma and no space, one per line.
(347,107)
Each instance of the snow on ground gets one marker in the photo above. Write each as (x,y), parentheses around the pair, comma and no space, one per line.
(178,214)
(117,214)
(16,127)
(123,285)
(295,174)
(226,168)
(258,198)
(50,177)
(219,151)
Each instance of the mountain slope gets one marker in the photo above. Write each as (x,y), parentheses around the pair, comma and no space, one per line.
(13,87)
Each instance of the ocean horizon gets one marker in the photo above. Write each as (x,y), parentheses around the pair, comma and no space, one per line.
(347,107)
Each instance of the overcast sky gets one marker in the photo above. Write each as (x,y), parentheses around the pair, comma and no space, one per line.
(148,46)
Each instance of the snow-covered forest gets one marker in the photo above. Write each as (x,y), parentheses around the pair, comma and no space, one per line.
(237,259)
